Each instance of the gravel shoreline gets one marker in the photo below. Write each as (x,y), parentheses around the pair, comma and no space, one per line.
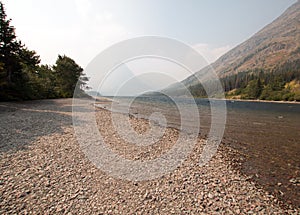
(43,170)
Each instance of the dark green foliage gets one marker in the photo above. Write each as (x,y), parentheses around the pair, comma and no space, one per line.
(197,91)
(253,89)
(260,84)
(68,73)
(21,75)
(9,47)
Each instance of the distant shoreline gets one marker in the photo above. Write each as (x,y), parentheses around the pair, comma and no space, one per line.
(267,101)
(110,99)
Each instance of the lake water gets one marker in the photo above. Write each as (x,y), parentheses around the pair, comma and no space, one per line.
(266,135)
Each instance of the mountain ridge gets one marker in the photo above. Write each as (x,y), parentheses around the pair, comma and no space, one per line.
(274,47)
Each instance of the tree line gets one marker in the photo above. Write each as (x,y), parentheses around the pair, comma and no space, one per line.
(23,77)
(280,83)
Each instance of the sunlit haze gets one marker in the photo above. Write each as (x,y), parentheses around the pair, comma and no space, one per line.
(83,28)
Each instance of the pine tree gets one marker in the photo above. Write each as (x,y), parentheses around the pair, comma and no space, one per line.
(21,76)
(69,74)
(9,47)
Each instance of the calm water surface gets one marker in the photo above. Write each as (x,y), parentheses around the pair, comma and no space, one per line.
(266,134)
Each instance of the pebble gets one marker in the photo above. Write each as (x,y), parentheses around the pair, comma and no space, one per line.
(43,170)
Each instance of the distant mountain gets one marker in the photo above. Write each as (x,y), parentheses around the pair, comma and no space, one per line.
(127,80)
(123,82)
(273,46)
(93,93)
(274,49)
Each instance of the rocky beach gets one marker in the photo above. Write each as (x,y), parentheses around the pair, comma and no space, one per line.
(43,170)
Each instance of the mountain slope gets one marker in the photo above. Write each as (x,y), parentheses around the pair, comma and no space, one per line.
(275,46)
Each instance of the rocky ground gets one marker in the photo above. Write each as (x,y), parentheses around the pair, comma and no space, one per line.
(43,170)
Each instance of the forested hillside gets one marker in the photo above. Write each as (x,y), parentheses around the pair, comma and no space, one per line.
(281,84)
(266,66)
(22,76)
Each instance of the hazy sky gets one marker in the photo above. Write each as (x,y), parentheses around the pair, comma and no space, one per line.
(83,28)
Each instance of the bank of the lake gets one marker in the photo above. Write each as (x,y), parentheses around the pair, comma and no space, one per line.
(266,135)
(43,170)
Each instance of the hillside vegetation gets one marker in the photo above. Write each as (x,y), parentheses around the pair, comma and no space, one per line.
(282,84)
(266,66)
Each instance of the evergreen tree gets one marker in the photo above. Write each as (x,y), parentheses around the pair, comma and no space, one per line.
(21,76)
(253,89)
(69,73)
(17,62)
(9,47)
